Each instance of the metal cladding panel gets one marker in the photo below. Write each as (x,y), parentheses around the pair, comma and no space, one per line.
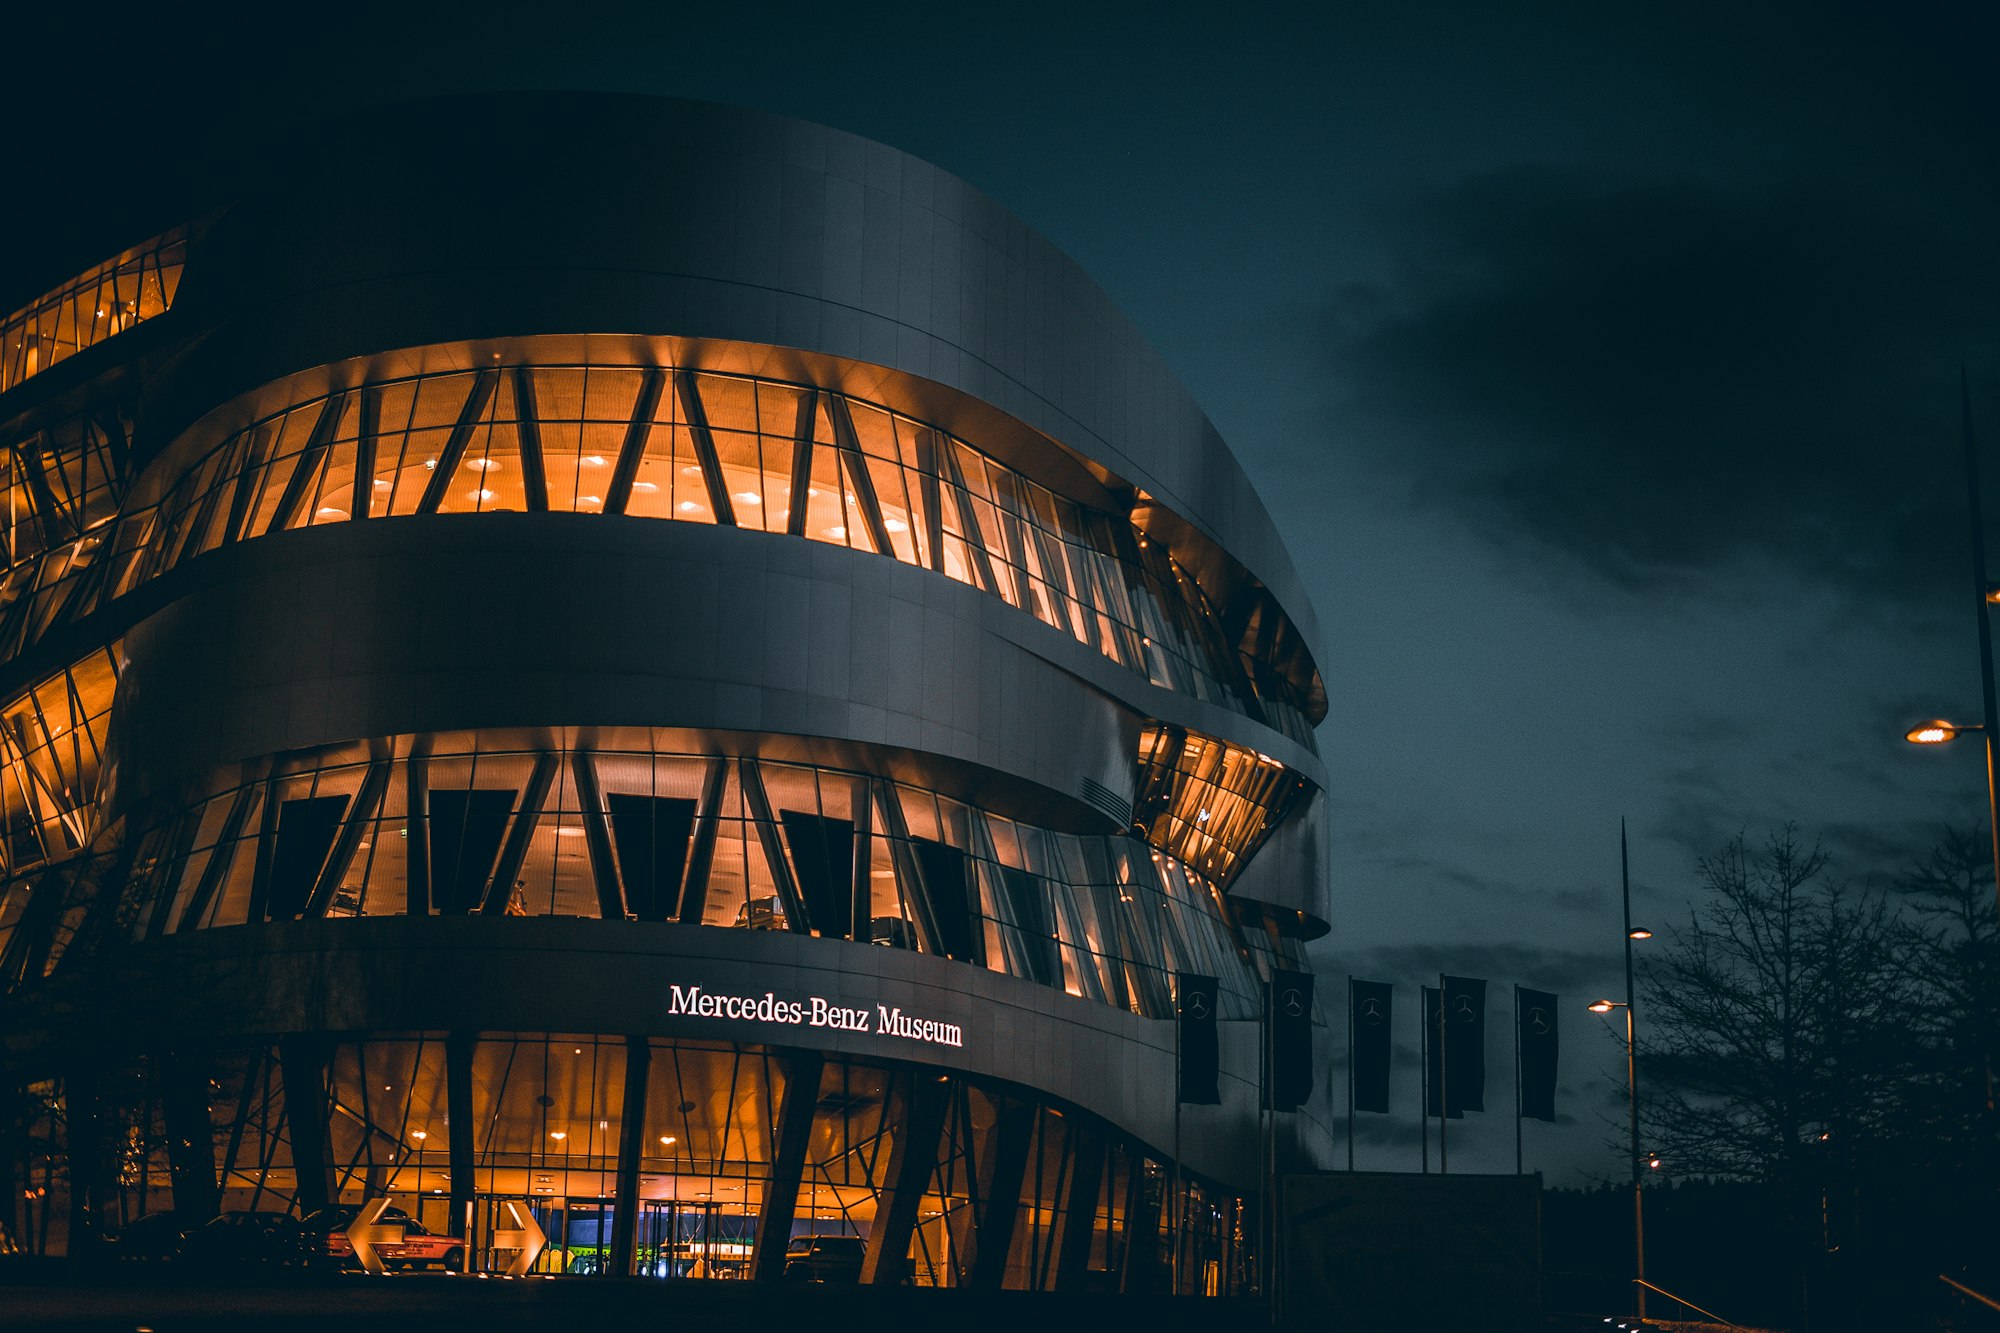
(1289,871)
(327,635)
(701,222)
(399,974)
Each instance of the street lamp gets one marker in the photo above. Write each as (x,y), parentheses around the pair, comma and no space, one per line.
(1938,731)
(1632,933)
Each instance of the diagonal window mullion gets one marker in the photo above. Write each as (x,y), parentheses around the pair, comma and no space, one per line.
(367,427)
(856,465)
(305,473)
(968,519)
(802,451)
(696,417)
(637,432)
(534,476)
(476,400)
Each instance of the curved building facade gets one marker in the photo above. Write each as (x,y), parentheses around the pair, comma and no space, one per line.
(669,668)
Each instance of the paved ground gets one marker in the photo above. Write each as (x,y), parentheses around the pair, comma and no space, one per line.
(134,1298)
(126,1300)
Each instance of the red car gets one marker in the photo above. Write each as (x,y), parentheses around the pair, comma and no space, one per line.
(418,1248)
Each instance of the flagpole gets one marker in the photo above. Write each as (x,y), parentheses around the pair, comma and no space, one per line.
(1271,1146)
(1174,1209)
(1517,1078)
(1350,1073)
(1424,1077)
(1444,1087)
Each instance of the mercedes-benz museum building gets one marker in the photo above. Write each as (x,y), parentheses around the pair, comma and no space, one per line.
(668,667)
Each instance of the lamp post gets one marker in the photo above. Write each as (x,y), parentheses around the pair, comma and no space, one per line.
(1632,933)
(1938,731)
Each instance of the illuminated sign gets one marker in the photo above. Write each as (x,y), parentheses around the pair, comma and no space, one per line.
(814,1011)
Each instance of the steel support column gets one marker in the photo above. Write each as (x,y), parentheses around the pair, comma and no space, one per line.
(302,1065)
(794,1137)
(458,1049)
(191,1135)
(1079,1225)
(86,1157)
(631,1144)
(1006,1167)
(912,1159)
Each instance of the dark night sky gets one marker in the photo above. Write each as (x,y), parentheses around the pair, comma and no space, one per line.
(1597,362)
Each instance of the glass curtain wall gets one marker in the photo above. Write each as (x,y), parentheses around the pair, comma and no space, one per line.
(660,442)
(935,1179)
(95,305)
(443,825)
(1208,802)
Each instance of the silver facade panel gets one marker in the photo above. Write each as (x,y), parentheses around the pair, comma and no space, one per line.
(705,243)
(327,635)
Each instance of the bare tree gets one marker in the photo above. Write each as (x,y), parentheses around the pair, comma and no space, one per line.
(1776,1020)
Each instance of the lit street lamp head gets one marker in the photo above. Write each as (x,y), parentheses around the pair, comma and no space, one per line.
(1604,1006)
(1937,731)
(1638,933)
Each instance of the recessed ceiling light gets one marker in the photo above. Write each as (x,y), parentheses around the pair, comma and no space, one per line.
(430,463)
(481,494)
(647,486)
(485,465)
(749,498)
(837,533)
(593,460)
(590,499)
(895,525)
(687,506)
(381,484)
(328,511)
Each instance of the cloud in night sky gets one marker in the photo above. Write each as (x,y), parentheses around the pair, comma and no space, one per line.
(1658,378)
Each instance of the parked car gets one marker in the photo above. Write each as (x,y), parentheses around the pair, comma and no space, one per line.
(824,1259)
(154,1238)
(266,1240)
(417,1249)
(762,914)
(892,931)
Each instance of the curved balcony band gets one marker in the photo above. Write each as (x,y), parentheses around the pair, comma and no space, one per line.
(519,826)
(669,442)
(317,636)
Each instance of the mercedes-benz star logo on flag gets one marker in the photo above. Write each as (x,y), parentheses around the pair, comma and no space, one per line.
(1197,1005)
(1371,1011)
(1462,1009)
(1294,1006)
(1538,1019)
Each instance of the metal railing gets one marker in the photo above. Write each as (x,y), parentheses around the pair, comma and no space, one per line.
(1639,1281)
(1981,1297)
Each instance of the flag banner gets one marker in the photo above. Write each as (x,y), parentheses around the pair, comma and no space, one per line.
(1368,1007)
(1201,1056)
(1288,1004)
(1535,1030)
(1434,1061)
(1465,1043)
